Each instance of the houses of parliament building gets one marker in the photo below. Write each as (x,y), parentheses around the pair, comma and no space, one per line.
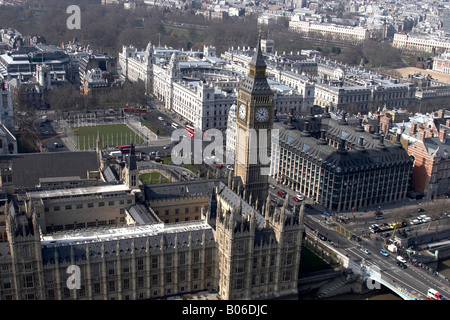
(132,241)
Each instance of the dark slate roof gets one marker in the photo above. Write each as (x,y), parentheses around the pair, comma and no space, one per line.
(175,190)
(141,214)
(258,58)
(29,167)
(376,151)
(435,145)
(110,174)
(234,200)
(257,84)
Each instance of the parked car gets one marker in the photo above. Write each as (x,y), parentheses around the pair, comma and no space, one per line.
(322,237)
(281,193)
(326,213)
(401,265)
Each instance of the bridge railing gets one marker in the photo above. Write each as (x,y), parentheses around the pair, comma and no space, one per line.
(375,274)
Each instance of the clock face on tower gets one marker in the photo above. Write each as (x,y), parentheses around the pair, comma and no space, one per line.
(242,111)
(262,114)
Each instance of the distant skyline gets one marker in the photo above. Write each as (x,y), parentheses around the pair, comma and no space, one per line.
(446,20)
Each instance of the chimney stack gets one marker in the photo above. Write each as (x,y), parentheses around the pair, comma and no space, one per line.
(443,135)
(422,135)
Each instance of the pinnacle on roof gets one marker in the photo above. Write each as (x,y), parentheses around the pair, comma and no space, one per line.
(258,58)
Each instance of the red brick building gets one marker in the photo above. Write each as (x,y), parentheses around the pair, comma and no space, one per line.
(431,153)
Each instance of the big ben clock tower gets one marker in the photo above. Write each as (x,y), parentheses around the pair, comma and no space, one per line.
(254,123)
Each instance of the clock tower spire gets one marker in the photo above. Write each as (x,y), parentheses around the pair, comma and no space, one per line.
(254,123)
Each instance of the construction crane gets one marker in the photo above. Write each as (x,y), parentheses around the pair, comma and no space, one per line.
(53,137)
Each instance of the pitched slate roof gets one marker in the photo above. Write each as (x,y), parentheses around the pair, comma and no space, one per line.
(374,151)
(27,168)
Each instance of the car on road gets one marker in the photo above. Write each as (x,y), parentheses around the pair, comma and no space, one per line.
(401,259)
(384,253)
(166,147)
(281,193)
(401,265)
(297,198)
(379,217)
(420,210)
(322,237)
(366,251)
(161,118)
(355,238)
(326,213)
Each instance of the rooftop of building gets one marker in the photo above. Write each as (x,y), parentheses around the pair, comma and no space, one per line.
(177,189)
(122,240)
(357,149)
(104,190)
(28,168)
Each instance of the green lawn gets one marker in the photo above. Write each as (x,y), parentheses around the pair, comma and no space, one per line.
(192,167)
(153,128)
(145,178)
(111,135)
(190,34)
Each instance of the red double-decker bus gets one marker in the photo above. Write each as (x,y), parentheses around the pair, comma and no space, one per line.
(135,110)
(189,130)
(140,110)
(126,148)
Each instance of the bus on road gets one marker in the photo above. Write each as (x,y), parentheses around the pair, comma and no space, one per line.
(126,148)
(434,295)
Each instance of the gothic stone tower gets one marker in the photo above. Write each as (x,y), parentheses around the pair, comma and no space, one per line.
(255,113)
(130,173)
(258,254)
(27,280)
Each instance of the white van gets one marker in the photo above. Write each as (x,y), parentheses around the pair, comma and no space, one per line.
(174,125)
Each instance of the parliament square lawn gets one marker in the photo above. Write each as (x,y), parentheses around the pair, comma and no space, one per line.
(111,135)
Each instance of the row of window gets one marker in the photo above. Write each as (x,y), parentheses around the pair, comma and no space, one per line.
(88,205)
